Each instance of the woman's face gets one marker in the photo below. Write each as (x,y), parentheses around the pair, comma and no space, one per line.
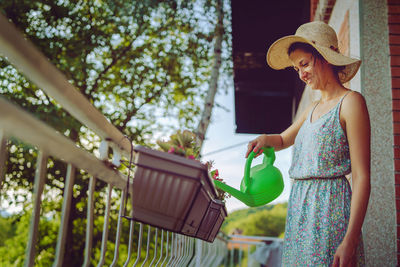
(309,68)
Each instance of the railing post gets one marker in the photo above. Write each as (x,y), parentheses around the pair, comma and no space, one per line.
(89,221)
(130,244)
(3,157)
(119,226)
(148,245)
(40,176)
(139,250)
(198,252)
(240,254)
(166,250)
(248,256)
(62,233)
(155,247)
(161,248)
(105,227)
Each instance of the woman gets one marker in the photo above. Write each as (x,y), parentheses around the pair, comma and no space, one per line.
(331,139)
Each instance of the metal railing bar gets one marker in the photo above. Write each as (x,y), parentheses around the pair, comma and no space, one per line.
(105,227)
(89,221)
(205,249)
(226,256)
(161,248)
(3,157)
(192,261)
(188,244)
(147,246)
(185,251)
(219,253)
(182,251)
(139,249)
(173,245)
(190,254)
(190,251)
(37,68)
(26,127)
(40,177)
(263,238)
(155,247)
(207,254)
(62,233)
(213,254)
(166,250)
(248,255)
(232,255)
(119,228)
(176,251)
(246,242)
(198,253)
(240,254)
(130,242)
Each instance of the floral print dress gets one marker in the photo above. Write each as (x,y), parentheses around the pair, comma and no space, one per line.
(319,202)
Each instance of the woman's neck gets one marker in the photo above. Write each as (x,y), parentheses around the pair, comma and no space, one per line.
(332,89)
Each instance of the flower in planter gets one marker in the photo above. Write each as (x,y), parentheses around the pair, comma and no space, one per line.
(182,143)
(222,195)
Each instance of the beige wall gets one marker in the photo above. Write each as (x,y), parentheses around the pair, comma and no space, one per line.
(368,26)
(369,41)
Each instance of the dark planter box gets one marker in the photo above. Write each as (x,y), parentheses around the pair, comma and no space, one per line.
(172,192)
(212,221)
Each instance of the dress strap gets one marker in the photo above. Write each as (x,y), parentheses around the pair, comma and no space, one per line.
(341,99)
(312,111)
(339,106)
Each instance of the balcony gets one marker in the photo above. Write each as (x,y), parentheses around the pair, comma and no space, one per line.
(150,242)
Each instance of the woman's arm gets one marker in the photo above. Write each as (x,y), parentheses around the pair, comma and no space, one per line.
(355,116)
(279,141)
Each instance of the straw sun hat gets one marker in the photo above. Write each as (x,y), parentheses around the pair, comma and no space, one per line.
(323,38)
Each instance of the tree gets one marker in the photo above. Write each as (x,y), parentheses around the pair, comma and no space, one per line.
(267,220)
(213,83)
(136,61)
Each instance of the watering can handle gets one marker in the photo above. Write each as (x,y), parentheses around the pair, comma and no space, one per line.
(269,159)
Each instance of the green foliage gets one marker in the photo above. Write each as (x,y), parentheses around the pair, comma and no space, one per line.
(182,143)
(12,251)
(267,220)
(143,64)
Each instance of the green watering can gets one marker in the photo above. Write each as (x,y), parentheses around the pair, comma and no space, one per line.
(261,184)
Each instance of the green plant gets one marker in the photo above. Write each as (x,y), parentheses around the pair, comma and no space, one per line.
(182,143)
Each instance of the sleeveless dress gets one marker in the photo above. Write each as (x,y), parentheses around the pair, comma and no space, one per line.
(319,202)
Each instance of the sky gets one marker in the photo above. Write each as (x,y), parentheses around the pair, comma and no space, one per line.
(230,163)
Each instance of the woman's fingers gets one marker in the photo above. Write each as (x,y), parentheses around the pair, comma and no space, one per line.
(249,148)
(255,146)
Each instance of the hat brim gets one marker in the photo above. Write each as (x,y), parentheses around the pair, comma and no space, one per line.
(278,57)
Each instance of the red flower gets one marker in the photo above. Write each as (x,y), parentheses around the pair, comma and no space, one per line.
(215,174)
(171,150)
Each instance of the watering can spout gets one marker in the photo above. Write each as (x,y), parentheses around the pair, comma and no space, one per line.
(260,185)
(234,192)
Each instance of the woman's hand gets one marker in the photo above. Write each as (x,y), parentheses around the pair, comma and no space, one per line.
(256,145)
(345,255)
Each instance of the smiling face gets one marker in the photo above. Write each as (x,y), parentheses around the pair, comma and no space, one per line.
(309,68)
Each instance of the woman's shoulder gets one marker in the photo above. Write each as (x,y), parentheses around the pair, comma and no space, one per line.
(353,98)
(353,102)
